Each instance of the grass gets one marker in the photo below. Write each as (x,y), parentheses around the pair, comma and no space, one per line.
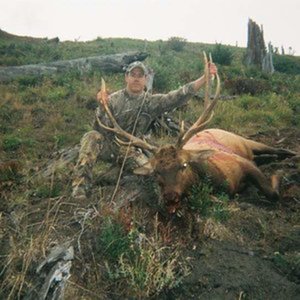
(202,202)
(143,265)
(270,111)
(29,242)
(39,116)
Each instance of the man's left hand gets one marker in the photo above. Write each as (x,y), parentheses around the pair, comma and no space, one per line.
(213,70)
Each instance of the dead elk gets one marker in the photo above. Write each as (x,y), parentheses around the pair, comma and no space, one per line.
(224,157)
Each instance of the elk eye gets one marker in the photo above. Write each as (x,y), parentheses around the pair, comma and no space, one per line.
(184,165)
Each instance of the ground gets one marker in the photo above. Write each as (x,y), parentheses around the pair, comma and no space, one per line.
(252,254)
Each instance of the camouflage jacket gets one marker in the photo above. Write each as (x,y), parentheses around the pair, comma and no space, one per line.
(125,108)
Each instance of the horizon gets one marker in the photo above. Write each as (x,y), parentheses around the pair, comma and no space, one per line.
(220,21)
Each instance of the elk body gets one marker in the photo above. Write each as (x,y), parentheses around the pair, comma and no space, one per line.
(223,157)
(226,158)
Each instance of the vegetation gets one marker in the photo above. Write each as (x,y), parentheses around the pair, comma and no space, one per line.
(287,64)
(176,43)
(146,266)
(118,254)
(202,201)
(222,55)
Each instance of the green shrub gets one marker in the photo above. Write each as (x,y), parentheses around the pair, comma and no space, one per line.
(62,139)
(283,84)
(294,102)
(56,94)
(287,64)
(244,85)
(176,43)
(25,81)
(11,143)
(161,80)
(144,266)
(47,191)
(200,200)
(113,240)
(152,269)
(222,55)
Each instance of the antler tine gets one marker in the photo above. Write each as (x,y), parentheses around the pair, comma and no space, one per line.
(207,80)
(207,114)
(135,141)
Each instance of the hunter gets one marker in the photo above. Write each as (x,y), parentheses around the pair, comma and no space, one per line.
(134,108)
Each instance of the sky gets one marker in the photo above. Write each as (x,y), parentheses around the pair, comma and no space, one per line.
(212,21)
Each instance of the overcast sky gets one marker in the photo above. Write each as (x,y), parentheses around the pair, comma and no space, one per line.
(210,21)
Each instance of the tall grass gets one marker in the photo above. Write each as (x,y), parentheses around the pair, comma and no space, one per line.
(246,114)
(143,265)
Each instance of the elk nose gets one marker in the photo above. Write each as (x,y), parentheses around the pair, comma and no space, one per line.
(171,196)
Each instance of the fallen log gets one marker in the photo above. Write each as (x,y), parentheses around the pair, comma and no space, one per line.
(105,63)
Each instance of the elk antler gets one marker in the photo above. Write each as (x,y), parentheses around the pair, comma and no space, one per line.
(134,141)
(207,114)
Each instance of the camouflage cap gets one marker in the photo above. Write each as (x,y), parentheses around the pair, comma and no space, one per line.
(137,64)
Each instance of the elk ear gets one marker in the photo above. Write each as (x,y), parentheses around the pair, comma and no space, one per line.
(200,155)
(145,170)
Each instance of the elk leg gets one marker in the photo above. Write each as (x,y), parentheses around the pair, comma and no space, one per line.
(269,189)
(262,149)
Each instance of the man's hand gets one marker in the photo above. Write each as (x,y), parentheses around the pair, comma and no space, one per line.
(99,95)
(213,70)
(102,95)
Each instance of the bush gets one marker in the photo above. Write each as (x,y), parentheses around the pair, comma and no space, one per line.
(243,85)
(176,43)
(57,94)
(113,240)
(200,201)
(222,55)
(46,191)
(144,265)
(287,64)
(29,81)
(11,143)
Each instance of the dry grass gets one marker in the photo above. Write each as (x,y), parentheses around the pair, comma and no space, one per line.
(154,267)
(26,245)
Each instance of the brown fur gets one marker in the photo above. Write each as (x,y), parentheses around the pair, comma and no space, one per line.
(221,155)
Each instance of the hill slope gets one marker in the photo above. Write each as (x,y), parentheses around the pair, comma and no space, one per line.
(240,248)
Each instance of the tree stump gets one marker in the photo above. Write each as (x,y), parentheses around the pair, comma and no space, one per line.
(257,54)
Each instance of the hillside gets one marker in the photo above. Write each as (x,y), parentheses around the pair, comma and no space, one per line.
(17,38)
(217,248)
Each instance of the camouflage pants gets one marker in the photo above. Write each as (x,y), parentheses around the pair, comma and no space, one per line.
(93,146)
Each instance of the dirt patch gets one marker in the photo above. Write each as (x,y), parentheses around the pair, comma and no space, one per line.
(226,270)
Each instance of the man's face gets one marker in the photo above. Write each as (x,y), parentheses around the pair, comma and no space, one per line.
(136,81)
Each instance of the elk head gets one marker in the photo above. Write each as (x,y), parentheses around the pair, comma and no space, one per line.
(171,165)
(175,171)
